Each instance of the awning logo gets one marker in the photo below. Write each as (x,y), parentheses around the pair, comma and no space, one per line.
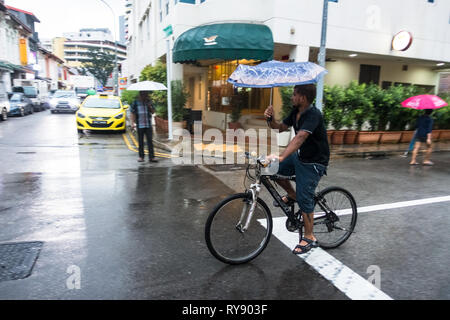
(210,41)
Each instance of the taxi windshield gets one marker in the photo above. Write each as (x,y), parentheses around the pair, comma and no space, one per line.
(102,103)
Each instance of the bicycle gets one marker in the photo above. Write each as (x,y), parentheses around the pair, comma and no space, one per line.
(238,229)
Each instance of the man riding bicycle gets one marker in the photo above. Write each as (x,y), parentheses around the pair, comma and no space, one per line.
(306,157)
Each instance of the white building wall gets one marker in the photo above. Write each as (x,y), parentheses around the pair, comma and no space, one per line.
(365,26)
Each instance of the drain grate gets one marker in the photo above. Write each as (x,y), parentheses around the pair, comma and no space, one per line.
(17,259)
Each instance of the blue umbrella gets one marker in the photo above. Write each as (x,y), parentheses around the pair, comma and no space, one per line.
(276,74)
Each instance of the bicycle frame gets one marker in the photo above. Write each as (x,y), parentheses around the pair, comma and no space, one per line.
(287,210)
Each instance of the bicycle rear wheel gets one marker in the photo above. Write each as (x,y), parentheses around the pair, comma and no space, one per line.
(224,231)
(335,227)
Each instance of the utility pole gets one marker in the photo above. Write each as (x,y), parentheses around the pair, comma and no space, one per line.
(322,54)
(168,31)
(116,69)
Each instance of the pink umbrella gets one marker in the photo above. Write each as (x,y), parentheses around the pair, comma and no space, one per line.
(425,101)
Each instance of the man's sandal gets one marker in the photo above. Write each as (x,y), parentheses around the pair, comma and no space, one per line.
(304,249)
(289,201)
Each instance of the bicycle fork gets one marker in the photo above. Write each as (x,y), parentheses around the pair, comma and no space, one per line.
(254,189)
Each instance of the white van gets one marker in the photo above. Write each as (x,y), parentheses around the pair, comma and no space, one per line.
(4,102)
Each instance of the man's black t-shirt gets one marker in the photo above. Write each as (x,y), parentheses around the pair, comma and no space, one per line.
(315,149)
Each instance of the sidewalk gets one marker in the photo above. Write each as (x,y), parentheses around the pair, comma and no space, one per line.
(161,141)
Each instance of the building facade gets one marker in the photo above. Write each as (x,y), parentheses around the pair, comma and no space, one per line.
(77,44)
(14,48)
(380,41)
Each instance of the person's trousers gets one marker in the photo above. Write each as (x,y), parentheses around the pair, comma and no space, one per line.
(148,133)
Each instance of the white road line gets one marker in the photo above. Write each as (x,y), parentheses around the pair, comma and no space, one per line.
(387,206)
(402,204)
(342,277)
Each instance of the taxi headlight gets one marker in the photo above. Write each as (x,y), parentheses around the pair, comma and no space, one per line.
(119,116)
(80,115)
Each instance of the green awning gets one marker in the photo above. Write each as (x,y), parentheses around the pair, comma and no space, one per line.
(6,66)
(227,41)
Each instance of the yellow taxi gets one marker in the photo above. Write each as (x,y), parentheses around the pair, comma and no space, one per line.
(101,112)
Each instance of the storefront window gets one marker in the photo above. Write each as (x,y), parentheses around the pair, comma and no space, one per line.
(220,92)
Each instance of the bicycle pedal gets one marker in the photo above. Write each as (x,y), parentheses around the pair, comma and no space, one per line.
(292,226)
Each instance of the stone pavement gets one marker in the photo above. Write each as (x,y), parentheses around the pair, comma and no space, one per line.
(160,140)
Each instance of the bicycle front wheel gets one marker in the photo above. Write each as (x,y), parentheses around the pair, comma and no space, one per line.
(335,217)
(234,235)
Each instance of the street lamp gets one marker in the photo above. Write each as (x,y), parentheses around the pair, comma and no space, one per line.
(115,48)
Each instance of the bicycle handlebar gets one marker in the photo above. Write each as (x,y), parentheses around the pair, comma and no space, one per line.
(260,160)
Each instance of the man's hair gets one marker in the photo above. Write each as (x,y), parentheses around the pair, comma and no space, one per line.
(428,111)
(307,90)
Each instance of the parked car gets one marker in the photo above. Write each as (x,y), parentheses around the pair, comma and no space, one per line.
(32,93)
(102,112)
(20,105)
(64,101)
(4,103)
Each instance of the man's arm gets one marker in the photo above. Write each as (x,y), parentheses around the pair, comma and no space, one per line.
(133,119)
(295,144)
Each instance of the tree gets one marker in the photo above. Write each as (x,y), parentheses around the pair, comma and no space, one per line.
(100,64)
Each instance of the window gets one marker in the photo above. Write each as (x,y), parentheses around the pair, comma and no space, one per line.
(160,11)
(188,1)
(167,7)
(369,74)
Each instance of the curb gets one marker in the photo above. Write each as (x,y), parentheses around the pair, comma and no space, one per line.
(333,155)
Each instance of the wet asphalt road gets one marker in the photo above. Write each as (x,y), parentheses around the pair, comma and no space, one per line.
(136,231)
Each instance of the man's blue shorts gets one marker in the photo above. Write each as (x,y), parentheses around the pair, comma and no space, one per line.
(307,178)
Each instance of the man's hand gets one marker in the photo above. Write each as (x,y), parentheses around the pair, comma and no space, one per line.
(274,157)
(269,112)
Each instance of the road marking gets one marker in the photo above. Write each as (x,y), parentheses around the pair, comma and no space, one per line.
(403,204)
(342,277)
(393,205)
(346,280)
(130,146)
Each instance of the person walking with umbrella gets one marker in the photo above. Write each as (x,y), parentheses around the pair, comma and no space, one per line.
(141,119)
(425,102)
(423,135)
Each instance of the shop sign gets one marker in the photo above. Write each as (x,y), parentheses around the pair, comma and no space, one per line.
(210,41)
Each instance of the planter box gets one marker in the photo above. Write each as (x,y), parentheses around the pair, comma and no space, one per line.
(330,135)
(164,124)
(391,137)
(234,125)
(338,137)
(406,136)
(369,137)
(444,135)
(350,137)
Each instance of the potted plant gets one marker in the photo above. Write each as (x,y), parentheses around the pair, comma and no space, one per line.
(238,101)
(337,120)
(179,99)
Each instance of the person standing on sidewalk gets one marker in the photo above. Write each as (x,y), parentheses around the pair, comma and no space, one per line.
(141,119)
(423,135)
(306,156)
